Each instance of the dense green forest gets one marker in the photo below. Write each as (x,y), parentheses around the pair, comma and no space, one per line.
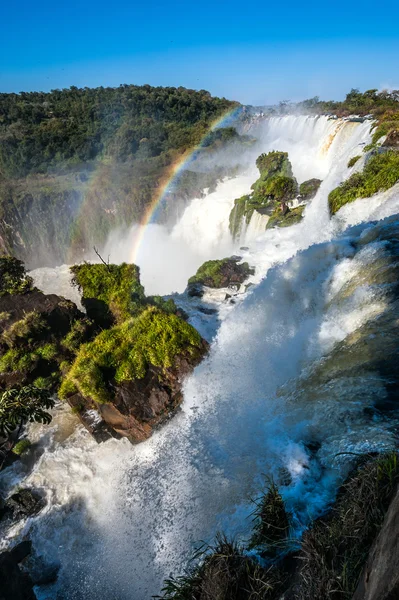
(65,128)
(75,163)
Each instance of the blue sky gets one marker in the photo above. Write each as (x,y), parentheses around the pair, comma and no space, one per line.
(254,52)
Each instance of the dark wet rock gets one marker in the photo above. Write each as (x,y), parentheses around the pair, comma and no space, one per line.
(312,447)
(41,572)
(15,584)
(195,290)
(25,503)
(380,577)
(207,311)
(244,248)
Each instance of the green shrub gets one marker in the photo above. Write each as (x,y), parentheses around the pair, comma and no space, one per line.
(380,173)
(13,277)
(271,522)
(29,330)
(278,188)
(47,352)
(79,333)
(225,573)
(125,352)
(352,161)
(109,290)
(274,163)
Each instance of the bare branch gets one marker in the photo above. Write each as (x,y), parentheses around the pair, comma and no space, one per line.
(101,258)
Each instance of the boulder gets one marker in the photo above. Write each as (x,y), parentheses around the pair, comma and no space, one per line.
(25,503)
(228,272)
(15,584)
(308,189)
(140,405)
(129,379)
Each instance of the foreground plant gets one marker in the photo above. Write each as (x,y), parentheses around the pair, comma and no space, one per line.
(335,549)
(18,407)
(224,572)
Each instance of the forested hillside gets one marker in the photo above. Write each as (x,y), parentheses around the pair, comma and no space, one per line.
(78,161)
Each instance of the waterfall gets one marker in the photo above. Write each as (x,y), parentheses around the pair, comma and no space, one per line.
(120,518)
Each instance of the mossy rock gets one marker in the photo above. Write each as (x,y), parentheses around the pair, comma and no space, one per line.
(125,352)
(292,217)
(222,273)
(110,293)
(308,189)
(132,375)
(32,336)
(275,184)
(380,173)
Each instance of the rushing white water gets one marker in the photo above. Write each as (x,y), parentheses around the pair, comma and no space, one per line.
(119,518)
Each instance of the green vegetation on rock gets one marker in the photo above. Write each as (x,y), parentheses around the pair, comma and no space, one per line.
(329,561)
(21,447)
(276,184)
(352,161)
(13,277)
(308,189)
(225,572)
(222,273)
(109,292)
(380,173)
(292,217)
(125,352)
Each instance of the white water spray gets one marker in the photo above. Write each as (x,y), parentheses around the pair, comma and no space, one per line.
(121,518)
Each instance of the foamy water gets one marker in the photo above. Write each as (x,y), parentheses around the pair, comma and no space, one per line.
(121,518)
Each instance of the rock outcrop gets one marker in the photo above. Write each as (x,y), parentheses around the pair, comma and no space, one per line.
(37,332)
(275,185)
(392,140)
(308,189)
(15,584)
(129,379)
(380,577)
(227,272)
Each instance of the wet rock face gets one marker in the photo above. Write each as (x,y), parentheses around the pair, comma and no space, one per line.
(15,584)
(380,577)
(138,406)
(24,503)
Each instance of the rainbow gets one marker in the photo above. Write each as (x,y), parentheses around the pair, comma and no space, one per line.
(170,178)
